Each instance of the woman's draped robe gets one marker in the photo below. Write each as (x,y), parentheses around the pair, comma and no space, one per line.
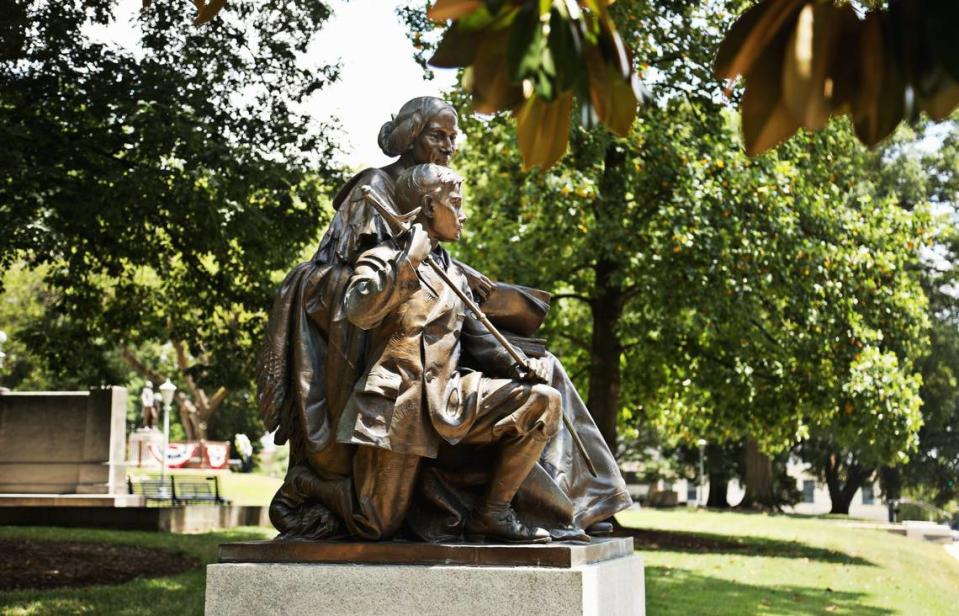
(313,356)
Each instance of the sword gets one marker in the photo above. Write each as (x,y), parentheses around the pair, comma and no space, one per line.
(400,224)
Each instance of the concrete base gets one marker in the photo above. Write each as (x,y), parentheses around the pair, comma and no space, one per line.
(612,587)
(928,531)
(72,500)
(185,519)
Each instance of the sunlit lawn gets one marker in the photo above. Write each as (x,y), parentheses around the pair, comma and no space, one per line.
(757,564)
(238,488)
(792,565)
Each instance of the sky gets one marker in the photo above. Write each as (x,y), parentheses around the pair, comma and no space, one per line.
(378,73)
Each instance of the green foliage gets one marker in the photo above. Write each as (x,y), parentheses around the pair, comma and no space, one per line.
(161,189)
(933,472)
(768,297)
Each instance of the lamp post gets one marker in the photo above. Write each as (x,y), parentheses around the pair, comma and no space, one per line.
(166,392)
(3,338)
(702,483)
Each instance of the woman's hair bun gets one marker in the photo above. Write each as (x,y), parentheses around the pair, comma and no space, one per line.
(383,139)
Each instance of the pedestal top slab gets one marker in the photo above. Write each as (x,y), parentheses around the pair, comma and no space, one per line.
(563,555)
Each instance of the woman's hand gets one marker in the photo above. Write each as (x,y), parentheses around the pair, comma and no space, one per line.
(480,285)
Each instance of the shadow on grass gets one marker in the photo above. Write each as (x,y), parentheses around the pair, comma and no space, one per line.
(676,591)
(181,594)
(708,543)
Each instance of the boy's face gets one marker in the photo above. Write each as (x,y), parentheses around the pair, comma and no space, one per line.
(446,222)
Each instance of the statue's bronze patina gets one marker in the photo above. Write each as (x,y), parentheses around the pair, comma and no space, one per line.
(405,414)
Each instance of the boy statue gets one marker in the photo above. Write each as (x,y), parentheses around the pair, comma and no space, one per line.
(415,396)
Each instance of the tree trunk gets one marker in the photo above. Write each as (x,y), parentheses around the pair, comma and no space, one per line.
(607,306)
(718,474)
(604,375)
(759,479)
(841,493)
(718,488)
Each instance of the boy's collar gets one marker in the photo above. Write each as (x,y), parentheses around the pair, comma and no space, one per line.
(441,256)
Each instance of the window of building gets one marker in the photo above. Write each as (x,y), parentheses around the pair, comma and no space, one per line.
(868,497)
(691,495)
(808,490)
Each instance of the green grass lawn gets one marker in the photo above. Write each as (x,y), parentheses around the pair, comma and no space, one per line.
(238,488)
(791,565)
(755,564)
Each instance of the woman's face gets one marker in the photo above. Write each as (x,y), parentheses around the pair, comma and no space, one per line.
(437,142)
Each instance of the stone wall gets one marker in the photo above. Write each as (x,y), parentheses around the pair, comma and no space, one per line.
(63,442)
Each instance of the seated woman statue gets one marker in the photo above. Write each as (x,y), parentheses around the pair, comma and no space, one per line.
(314,355)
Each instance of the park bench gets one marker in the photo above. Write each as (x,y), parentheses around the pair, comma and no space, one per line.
(180,491)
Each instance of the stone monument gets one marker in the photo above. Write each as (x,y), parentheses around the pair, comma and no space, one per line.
(432,436)
(62,447)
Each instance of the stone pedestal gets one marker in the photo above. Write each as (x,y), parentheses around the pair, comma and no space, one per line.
(139,452)
(604,578)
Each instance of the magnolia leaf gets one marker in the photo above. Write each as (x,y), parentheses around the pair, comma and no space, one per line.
(613,48)
(542,130)
(942,18)
(524,47)
(445,10)
(807,73)
(766,118)
(566,47)
(748,38)
(941,103)
(491,86)
(612,98)
(456,49)
(879,101)
(207,10)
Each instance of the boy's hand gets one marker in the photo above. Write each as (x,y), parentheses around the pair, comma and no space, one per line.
(419,244)
(538,371)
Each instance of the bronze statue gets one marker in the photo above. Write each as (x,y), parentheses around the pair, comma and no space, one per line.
(149,402)
(315,358)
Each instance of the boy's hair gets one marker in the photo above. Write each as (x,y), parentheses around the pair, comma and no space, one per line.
(421,180)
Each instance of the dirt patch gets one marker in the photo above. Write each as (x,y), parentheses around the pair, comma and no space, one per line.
(54,564)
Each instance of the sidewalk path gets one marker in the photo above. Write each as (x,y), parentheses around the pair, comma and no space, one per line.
(953,550)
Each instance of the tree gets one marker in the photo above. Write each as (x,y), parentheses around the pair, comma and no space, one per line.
(165,190)
(934,468)
(847,453)
(714,295)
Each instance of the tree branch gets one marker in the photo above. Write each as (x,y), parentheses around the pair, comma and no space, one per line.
(140,367)
(581,298)
(575,340)
(183,363)
(217,399)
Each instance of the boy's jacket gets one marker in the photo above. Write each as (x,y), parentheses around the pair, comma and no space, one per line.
(414,391)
